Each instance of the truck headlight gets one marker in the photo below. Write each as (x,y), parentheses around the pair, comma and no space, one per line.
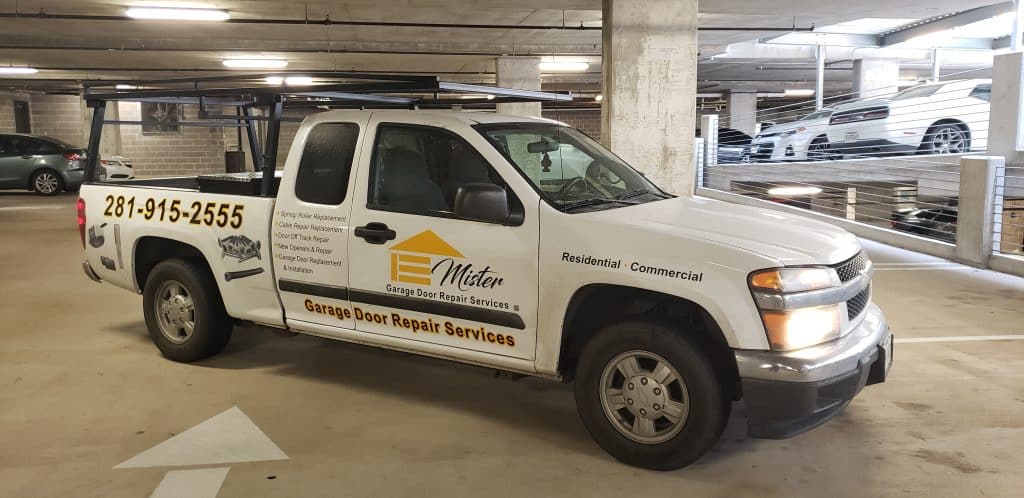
(799,328)
(786,280)
(790,325)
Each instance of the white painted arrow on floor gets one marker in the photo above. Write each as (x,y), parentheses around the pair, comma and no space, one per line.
(228,437)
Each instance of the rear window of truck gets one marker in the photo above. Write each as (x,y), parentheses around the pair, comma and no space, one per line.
(326,163)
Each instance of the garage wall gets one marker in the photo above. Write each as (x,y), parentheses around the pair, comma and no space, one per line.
(587,120)
(192,151)
(57,116)
(6,113)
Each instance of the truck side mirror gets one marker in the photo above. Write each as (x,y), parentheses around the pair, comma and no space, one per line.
(482,202)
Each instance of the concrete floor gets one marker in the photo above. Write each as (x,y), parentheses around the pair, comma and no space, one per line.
(83,390)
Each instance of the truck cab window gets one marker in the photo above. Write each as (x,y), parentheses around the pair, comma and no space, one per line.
(419,169)
(322,177)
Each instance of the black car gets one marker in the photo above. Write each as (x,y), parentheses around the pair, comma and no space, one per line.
(733,146)
(934,223)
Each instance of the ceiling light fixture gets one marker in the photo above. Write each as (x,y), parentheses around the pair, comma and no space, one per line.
(290,81)
(799,92)
(177,14)
(18,70)
(126,87)
(563,66)
(253,63)
(794,191)
(598,98)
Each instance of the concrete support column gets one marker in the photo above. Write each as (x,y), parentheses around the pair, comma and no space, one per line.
(522,73)
(1004,121)
(976,208)
(742,107)
(650,87)
(875,77)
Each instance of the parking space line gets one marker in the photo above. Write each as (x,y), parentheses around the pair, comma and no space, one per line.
(961,338)
(29,208)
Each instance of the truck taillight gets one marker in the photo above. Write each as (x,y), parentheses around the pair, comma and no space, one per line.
(81,220)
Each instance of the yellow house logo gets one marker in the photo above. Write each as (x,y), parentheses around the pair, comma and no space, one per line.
(412,259)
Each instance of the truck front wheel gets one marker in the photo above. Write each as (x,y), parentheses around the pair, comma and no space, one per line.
(649,396)
(184,312)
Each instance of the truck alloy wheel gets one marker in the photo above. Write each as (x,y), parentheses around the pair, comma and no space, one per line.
(644,396)
(175,312)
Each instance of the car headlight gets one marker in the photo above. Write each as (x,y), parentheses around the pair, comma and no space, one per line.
(785,280)
(799,328)
(803,326)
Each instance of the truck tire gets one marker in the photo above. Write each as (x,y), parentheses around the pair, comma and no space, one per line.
(184,312)
(649,396)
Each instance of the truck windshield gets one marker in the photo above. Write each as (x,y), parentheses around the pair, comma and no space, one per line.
(569,169)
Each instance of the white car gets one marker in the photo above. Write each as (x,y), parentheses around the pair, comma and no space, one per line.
(937,118)
(800,140)
(118,168)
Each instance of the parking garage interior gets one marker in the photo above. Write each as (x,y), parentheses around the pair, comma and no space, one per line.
(900,124)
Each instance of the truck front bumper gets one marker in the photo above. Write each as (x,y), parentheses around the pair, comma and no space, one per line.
(787,393)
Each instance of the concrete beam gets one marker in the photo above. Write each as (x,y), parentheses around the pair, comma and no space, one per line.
(944,23)
(650,85)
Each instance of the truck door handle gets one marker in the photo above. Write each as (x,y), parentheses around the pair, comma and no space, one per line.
(375,233)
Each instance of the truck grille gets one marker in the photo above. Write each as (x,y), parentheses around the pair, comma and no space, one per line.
(849,269)
(857,303)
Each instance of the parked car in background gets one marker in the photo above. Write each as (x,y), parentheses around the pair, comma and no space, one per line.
(801,140)
(936,223)
(118,168)
(42,164)
(937,118)
(733,146)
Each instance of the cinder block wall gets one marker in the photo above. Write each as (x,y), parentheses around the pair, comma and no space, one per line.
(191,151)
(587,120)
(6,113)
(57,116)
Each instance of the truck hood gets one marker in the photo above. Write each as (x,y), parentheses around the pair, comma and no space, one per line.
(789,239)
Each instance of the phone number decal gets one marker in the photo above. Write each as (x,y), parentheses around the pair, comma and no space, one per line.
(218,214)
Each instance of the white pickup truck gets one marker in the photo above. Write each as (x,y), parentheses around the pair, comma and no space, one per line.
(518,244)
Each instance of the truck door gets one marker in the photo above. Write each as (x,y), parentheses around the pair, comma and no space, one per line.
(424,274)
(310,227)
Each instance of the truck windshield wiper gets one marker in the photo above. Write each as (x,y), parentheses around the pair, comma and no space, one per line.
(594,202)
(640,192)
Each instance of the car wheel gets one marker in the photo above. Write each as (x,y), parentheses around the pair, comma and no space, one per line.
(649,396)
(817,150)
(946,139)
(184,312)
(46,182)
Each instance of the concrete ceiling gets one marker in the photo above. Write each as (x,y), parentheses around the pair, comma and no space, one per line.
(70,50)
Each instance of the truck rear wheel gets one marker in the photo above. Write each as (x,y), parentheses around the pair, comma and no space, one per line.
(649,396)
(184,312)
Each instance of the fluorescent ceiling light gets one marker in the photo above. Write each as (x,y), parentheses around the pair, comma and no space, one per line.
(126,87)
(787,191)
(563,66)
(799,92)
(177,14)
(255,63)
(18,70)
(291,80)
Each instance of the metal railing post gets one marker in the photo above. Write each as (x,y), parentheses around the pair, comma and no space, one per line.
(709,132)
(976,209)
